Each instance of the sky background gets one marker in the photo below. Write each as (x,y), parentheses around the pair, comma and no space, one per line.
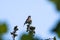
(44,16)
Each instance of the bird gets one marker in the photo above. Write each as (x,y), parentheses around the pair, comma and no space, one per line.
(28,20)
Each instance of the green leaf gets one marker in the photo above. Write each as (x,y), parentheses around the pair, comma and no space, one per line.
(57,3)
(3,28)
(57,29)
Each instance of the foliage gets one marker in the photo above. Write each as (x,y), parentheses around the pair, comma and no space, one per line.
(3,29)
(57,2)
(26,37)
(57,29)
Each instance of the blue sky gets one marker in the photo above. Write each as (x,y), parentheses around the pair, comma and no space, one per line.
(44,16)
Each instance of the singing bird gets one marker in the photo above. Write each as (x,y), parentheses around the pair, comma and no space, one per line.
(28,20)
